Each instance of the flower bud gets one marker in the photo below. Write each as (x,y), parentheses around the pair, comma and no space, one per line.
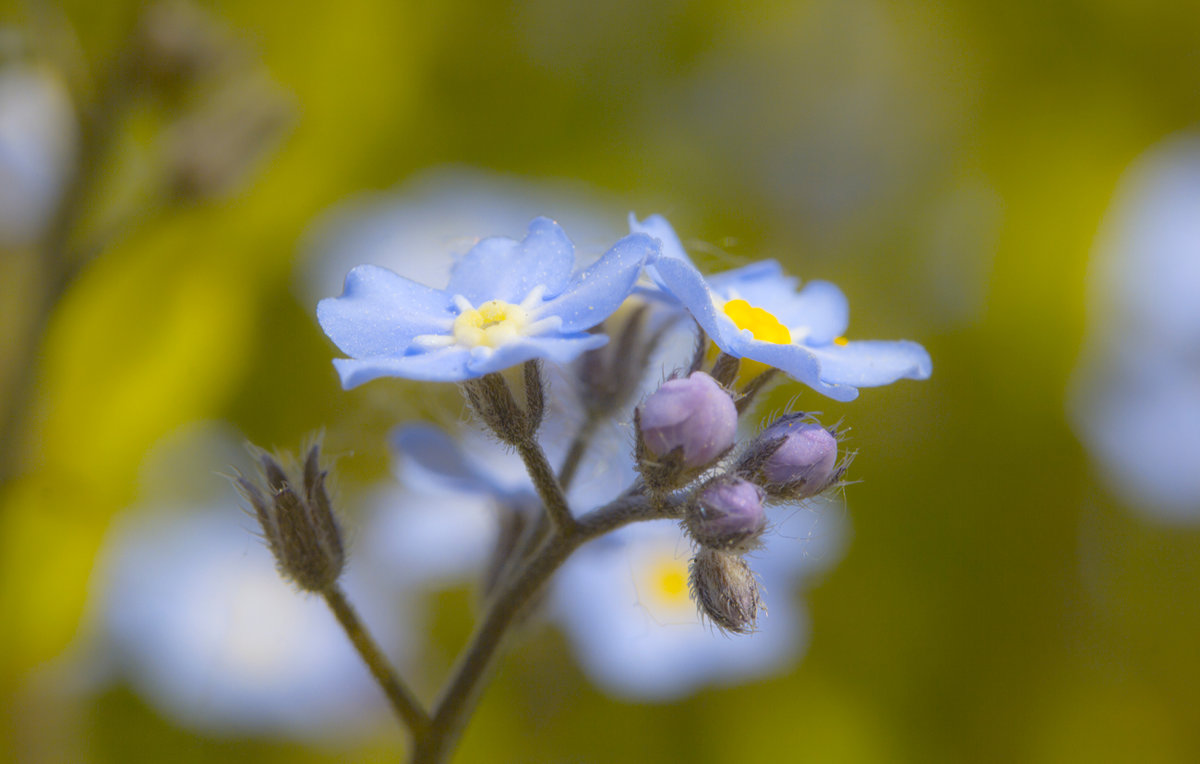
(695,415)
(728,515)
(795,457)
(725,590)
(297,520)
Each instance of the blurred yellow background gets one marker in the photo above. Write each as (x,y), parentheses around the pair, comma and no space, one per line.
(947,165)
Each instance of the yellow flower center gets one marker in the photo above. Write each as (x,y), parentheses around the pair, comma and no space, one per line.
(670,581)
(491,324)
(761,323)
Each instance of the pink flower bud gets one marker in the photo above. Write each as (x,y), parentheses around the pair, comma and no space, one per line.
(694,414)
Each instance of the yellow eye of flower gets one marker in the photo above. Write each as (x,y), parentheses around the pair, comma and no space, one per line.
(761,323)
(491,324)
(668,579)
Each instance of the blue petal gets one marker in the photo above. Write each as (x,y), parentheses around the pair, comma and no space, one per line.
(798,362)
(380,312)
(439,455)
(684,282)
(499,268)
(559,350)
(872,363)
(759,283)
(600,289)
(821,308)
(445,365)
(657,227)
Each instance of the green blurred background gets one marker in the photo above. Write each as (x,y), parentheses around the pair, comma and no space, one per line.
(948,165)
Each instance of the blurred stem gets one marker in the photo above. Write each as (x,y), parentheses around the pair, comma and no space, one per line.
(549,490)
(57,262)
(404,703)
(579,445)
(512,596)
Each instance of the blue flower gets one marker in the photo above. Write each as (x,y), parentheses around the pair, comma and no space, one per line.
(507,302)
(38,138)
(756,313)
(624,603)
(1135,399)
(201,624)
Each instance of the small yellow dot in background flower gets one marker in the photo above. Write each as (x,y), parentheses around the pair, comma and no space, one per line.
(669,580)
(841,341)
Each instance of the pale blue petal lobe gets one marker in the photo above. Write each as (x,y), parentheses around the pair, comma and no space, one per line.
(380,312)
(598,290)
(758,283)
(821,309)
(873,362)
(499,268)
(439,455)
(656,226)
(800,363)
(685,283)
(445,365)
(559,350)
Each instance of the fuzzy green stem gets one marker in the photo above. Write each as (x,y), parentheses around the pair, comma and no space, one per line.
(402,700)
(514,594)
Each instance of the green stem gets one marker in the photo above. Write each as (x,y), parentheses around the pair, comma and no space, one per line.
(403,702)
(462,691)
(549,490)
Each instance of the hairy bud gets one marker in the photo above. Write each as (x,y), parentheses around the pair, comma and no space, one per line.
(725,590)
(683,427)
(727,515)
(794,458)
(297,519)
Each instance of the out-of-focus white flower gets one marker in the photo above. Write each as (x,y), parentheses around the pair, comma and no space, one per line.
(624,602)
(37,146)
(1136,398)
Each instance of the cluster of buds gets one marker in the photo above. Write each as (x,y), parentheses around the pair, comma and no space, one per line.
(297,518)
(686,430)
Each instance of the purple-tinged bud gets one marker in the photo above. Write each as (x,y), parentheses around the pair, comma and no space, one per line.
(794,457)
(695,415)
(728,515)
(808,452)
(725,590)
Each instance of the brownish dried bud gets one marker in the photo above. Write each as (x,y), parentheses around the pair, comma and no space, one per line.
(297,518)
(213,149)
(725,590)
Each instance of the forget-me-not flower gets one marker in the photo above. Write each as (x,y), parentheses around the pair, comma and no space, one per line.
(507,302)
(198,619)
(37,146)
(1136,395)
(756,313)
(624,602)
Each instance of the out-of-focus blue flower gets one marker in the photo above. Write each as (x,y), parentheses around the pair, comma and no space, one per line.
(756,313)
(447,211)
(37,145)
(507,302)
(624,602)
(1136,397)
(442,525)
(202,624)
